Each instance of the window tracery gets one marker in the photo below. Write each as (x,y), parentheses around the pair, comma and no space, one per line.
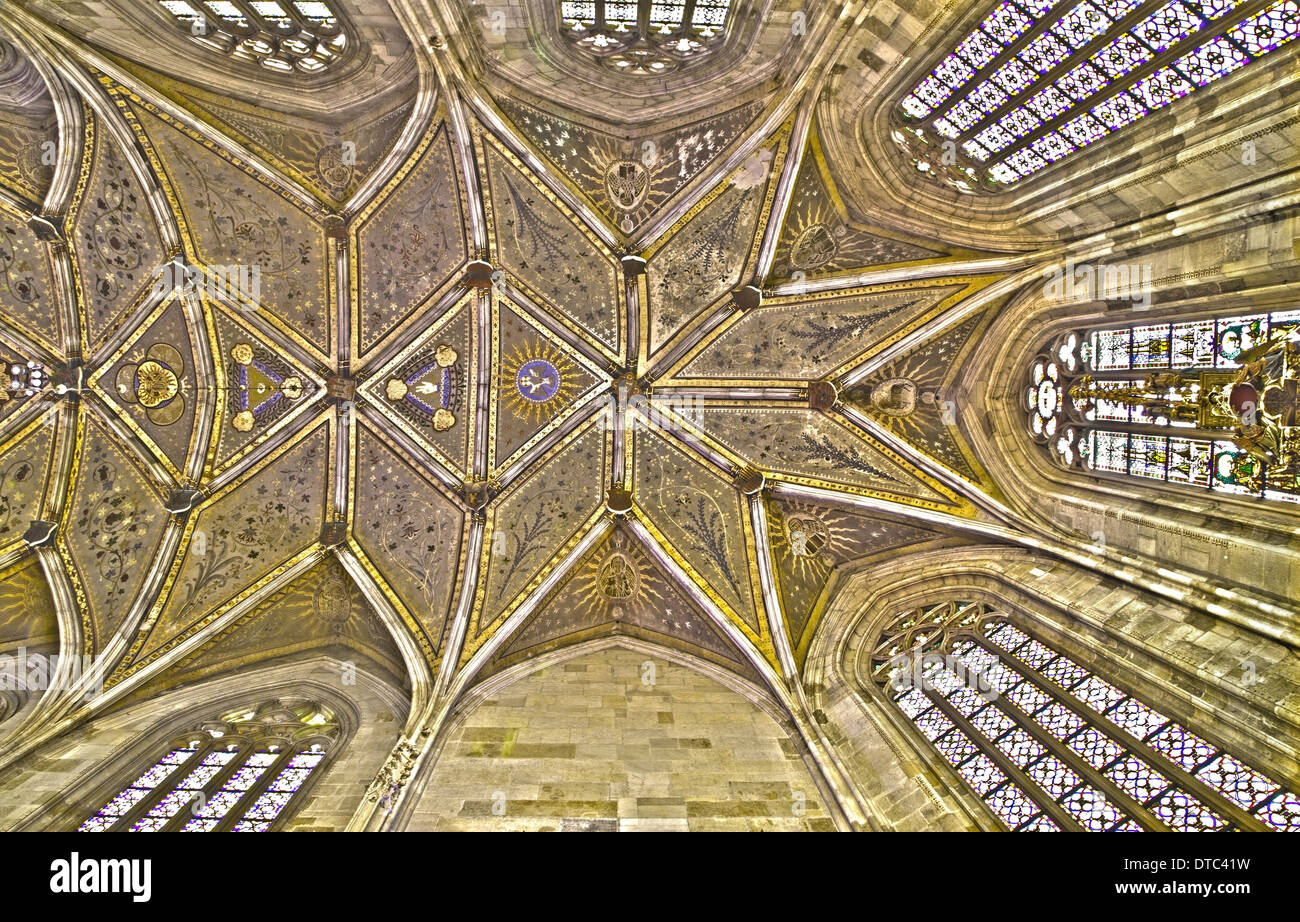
(241,772)
(1205,403)
(1048,745)
(1038,80)
(645,37)
(306,36)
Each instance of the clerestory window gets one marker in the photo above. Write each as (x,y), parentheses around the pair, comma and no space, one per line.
(645,37)
(1038,80)
(305,36)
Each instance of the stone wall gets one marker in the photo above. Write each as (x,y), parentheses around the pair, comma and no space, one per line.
(584,744)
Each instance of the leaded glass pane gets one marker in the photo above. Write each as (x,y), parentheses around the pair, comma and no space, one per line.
(1186,749)
(1081,82)
(956,747)
(1119,111)
(1282,812)
(278,794)
(1275,26)
(977,49)
(1028,697)
(1049,103)
(1181,812)
(1014,808)
(1007,23)
(1093,811)
(1122,55)
(1035,654)
(992,722)
(954,71)
(1020,747)
(982,774)
(1136,717)
(1008,637)
(1040,823)
(1054,776)
(1064,673)
(1095,747)
(1139,780)
(1044,53)
(1059,721)
(966,701)
(913,702)
(1244,785)
(1081,25)
(1162,87)
(933,724)
(1167,25)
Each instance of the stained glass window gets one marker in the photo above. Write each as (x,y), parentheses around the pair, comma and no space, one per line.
(1048,746)
(1028,87)
(241,772)
(645,37)
(1208,404)
(280,35)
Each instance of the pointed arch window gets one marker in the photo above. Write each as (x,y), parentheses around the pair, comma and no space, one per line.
(645,37)
(286,36)
(243,772)
(1048,745)
(1208,404)
(1037,80)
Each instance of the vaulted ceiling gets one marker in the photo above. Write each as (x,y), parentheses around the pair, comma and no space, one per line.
(533,353)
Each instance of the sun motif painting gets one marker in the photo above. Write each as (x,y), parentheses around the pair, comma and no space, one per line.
(537,381)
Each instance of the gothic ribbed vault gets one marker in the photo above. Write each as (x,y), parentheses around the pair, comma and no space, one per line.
(470,351)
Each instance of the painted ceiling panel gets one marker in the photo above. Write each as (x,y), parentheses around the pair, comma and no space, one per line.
(531,527)
(630,179)
(800,340)
(238,538)
(320,610)
(151,380)
(27,294)
(413,243)
(29,127)
(237,219)
(704,518)
(819,238)
(557,262)
(330,156)
(429,389)
(618,588)
(265,389)
(116,247)
(709,255)
(912,397)
(806,446)
(25,463)
(114,524)
(810,540)
(539,383)
(27,617)
(412,532)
